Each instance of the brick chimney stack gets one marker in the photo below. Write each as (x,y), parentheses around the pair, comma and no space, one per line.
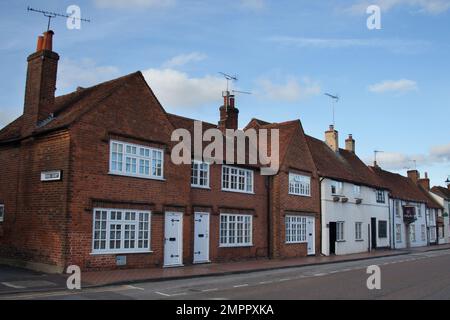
(414,175)
(332,138)
(40,83)
(350,144)
(229,114)
(425,182)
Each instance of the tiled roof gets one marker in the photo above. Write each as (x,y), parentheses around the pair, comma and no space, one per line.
(442,192)
(404,188)
(70,107)
(343,165)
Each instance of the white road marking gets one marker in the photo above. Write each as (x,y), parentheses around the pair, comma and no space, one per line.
(265,282)
(209,290)
(162,294)
(320,274)
(240,285)
(285,279)
(12,285)
(135,288)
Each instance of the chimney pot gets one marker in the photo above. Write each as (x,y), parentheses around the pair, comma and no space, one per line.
(414,175)
(48,40)
(40,43)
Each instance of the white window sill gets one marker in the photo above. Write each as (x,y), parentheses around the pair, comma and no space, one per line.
(300,195)
(236,246)
(135,176)
(301,242)
(104,253)
(200,187)
(237,191)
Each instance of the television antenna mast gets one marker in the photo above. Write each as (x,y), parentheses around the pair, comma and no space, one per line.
(228,78)
(241,92)
(51,15)
(334,99)
(415,163)
(375,153)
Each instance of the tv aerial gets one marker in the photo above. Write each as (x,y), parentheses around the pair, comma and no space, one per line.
(375,153)
(51,15)
(335,99)
(229,78)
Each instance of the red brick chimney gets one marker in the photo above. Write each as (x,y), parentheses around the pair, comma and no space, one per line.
(425,182)
(229,114)
(350,144)
(40,83)
(414,175)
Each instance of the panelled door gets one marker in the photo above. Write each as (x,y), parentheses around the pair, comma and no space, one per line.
(201,237)
(310,235)
(173,239)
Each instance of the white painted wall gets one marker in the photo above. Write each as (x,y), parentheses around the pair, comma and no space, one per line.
(350,213)
(397,218)
(446,204)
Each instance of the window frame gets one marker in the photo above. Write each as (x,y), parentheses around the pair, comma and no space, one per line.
(208,173)
(339,187)
(138,160)
(398,233)
(301,225)
(423,232)
(237,180)
(357,190)
(122,222)
(236,229)
(359,232)
(2,212)
(306,185)
(380,196)
(398,211)
(384,229)
(340,234)
(412,232)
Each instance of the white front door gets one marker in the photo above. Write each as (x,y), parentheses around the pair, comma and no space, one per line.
(201,237)
(173,239)
(310,235)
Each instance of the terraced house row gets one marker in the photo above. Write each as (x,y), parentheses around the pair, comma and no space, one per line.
(87,179)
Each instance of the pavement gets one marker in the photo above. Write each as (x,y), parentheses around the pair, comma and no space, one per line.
(17,281)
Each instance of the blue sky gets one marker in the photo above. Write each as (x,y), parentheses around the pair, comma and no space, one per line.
(394,83)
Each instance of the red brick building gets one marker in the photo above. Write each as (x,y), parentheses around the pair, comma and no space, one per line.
(87,179)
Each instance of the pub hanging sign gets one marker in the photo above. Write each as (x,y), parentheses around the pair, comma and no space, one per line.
(409,214)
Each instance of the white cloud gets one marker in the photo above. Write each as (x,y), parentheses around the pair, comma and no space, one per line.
(395,45)
(184,59)
(176,89)
(254,4)
(291,90)
(83,73)
(130,4)
(425,6)
(398,161)
(398,86)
